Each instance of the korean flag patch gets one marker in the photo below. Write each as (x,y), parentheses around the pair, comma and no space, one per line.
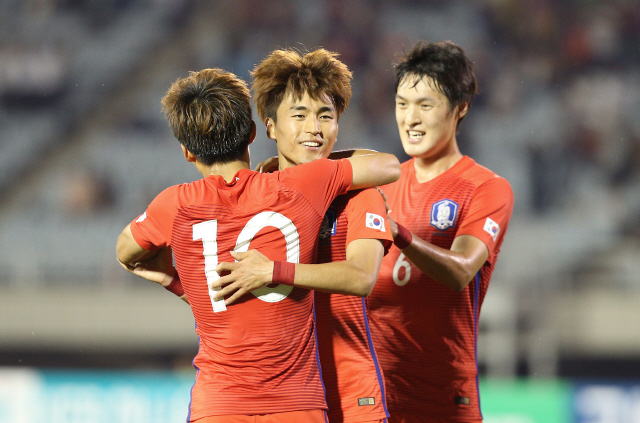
(142,217)
(375,221)
(492,228)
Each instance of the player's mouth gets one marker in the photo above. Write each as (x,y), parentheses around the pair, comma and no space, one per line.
(312,144)
(414,136)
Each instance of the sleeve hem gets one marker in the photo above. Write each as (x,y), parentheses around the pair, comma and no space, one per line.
(482,238)
(137,236)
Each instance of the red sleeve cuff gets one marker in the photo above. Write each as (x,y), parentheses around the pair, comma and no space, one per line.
(175,286)
(284,272)
(403,238)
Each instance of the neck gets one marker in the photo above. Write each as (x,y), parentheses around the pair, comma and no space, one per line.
(428,168)
(226,170)
(284,163)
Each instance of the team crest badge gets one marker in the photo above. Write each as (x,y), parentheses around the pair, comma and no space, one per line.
(328,227)
(444,214)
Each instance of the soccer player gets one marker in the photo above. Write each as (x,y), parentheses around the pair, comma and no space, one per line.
(452,215)
(288,91)
(257,357)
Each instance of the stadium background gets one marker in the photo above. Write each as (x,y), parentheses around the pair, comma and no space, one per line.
(84,148)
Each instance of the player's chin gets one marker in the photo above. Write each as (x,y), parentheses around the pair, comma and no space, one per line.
(418,150)
(413,150)
(310,156)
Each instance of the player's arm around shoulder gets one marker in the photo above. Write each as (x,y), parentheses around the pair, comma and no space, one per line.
(372,168)
(253,270)
(366,242)
(356,275)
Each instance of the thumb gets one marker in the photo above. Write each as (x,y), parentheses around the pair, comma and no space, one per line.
(238,255)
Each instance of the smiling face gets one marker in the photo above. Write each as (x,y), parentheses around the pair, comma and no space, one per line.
(425,120)
(305,130)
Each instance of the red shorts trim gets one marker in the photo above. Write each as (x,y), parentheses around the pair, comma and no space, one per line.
(411,418)
(307,416)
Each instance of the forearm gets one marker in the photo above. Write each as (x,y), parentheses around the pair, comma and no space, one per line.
(373,168)
(448,267)
(354,276)
(454,268)
(345,154)
(253,270)
(340,277)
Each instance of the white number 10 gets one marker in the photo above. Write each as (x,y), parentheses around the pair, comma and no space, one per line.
(208,233)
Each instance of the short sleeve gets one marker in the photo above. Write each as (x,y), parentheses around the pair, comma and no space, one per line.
(367,218)
(320,181)
(489,213)
(152,229)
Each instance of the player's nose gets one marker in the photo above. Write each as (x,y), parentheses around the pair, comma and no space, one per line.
(413,116)
(312,125)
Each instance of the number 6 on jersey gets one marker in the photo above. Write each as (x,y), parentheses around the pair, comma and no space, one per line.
(401,263)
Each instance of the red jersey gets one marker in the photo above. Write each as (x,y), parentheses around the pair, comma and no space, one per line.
(258,356)
(425,333)
(350,370)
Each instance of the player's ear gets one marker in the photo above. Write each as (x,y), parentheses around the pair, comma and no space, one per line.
(188,155)
(463,108)
(252,136)
(270,128)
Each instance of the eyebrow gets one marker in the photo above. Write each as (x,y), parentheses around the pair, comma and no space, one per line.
(304,108)
(418,100)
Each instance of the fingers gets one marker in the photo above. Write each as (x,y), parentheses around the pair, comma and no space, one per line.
(227,290)
(126,266)
(232,291)
(238,256)
(239,293)
(249,254)
(139,269)
(269,165)
(224,280)
(384,197)
(226,266)
(261,166)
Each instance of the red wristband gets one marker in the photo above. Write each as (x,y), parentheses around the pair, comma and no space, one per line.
(403,238)
(175,286)
(283,272)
